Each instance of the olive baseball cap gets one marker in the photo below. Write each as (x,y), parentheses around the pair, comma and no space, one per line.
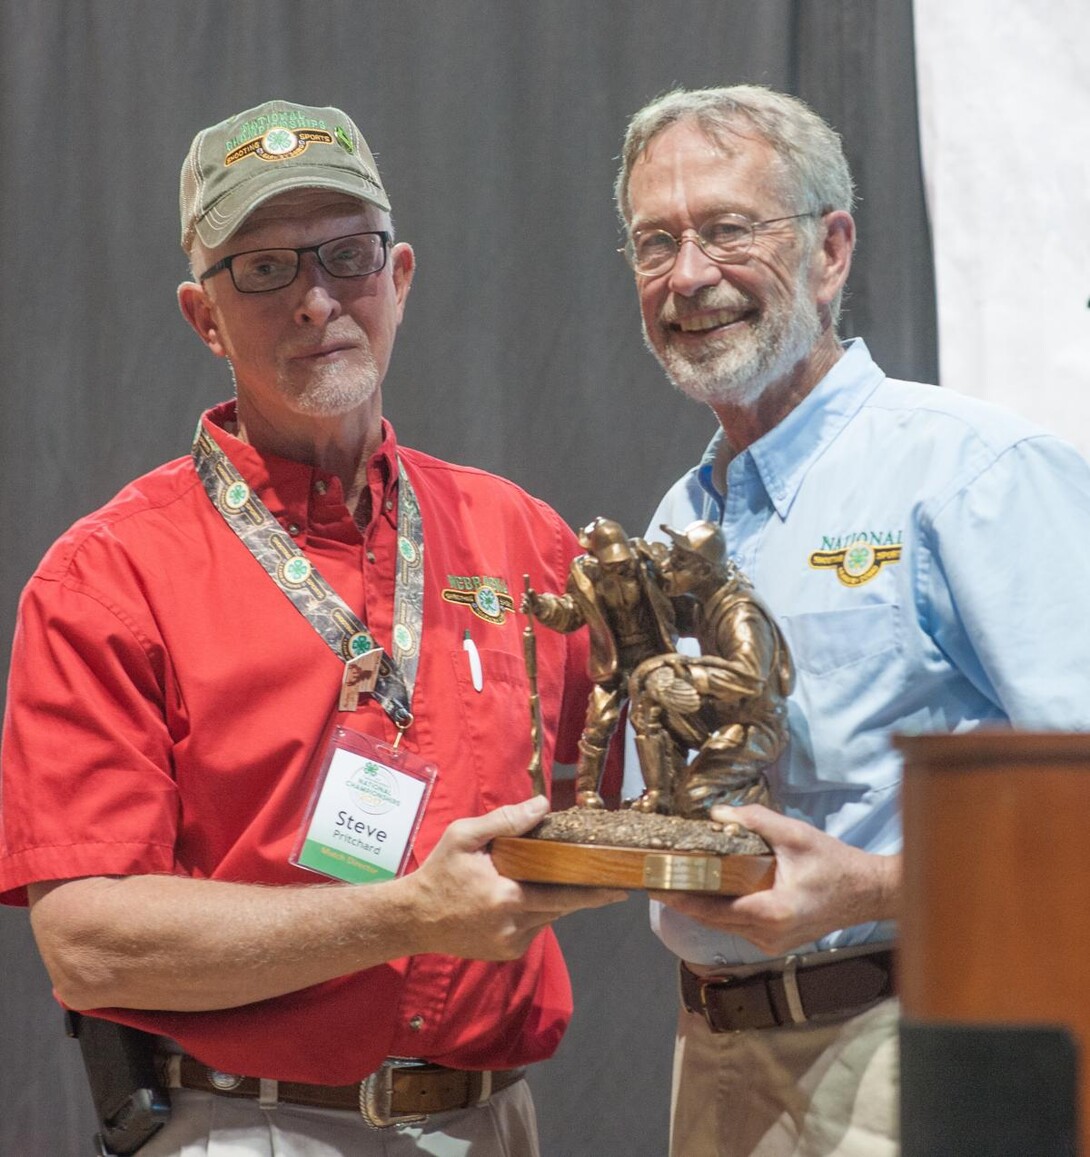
(240,163)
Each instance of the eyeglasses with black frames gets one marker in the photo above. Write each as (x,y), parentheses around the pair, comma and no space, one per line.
(263,270)
(725,239)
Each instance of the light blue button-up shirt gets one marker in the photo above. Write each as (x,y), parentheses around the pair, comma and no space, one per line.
(928,558)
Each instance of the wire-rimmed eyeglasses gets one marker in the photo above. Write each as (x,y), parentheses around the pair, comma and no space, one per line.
(263,270)
(725,239)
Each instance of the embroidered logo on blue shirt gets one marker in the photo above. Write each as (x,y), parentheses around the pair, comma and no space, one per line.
(860,560)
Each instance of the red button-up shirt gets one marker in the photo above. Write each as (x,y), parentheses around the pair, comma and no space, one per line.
(168,708)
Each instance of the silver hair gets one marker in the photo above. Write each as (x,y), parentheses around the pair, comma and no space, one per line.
(815,175)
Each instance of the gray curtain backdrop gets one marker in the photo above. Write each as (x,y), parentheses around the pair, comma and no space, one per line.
(497,124)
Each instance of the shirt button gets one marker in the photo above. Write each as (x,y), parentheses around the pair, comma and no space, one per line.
(320,486)
(370,556)
(293,528)
(389,504)
(417,1023)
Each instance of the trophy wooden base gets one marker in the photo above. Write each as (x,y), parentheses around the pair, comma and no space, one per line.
(544,861)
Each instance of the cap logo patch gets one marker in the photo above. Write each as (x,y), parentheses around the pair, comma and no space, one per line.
(279,144)
(258,126)
(344,140)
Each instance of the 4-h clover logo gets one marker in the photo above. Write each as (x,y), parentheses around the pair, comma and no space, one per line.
(296,571)
(486,599)
(373,788)
(360,644)
(279,141)
(407,549)
(858,559)
(236,496)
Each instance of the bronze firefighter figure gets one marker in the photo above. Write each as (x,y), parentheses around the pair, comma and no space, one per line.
(728,703)
(614,591)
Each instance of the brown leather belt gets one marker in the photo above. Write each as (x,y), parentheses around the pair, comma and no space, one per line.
(399,1091)
(819,986)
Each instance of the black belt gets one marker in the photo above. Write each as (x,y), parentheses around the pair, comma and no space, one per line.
(399,1091)
(822,985)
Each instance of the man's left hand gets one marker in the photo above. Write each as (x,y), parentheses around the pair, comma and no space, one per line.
(821,884)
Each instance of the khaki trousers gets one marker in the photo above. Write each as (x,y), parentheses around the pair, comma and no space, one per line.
(206,1125)
(808,1091)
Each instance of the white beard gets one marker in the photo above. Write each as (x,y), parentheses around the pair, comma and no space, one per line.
(739,366)
(330,390)
(334,389)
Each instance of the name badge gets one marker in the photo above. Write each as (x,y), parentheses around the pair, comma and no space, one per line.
(365,809)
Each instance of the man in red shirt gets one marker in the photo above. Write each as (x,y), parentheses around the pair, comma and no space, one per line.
(192,779)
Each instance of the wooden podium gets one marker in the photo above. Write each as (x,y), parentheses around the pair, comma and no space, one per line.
(995,944)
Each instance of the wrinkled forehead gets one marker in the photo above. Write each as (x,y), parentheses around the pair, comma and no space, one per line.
(688,151)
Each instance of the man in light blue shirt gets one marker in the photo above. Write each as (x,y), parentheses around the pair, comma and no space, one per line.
(924,554)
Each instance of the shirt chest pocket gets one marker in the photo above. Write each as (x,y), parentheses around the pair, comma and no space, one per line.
(824,642)
(850,674)
(494,721)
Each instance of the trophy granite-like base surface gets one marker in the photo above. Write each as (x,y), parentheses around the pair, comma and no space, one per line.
(630,849)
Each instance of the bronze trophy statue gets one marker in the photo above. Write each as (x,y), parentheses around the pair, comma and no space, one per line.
(706,724)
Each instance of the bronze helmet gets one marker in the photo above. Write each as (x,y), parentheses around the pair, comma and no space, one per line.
(607,541)
(702,538)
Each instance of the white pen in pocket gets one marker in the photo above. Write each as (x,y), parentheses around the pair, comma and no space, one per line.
(476,675)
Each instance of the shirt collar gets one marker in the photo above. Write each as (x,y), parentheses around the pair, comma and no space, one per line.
(286,486)
(784,455)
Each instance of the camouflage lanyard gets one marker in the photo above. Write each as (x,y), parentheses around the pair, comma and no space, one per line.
(313,597)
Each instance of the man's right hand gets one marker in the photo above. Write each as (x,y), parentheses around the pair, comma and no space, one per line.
(183,944)
(468,909)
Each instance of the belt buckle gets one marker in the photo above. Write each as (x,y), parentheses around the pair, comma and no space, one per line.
(376,1100)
